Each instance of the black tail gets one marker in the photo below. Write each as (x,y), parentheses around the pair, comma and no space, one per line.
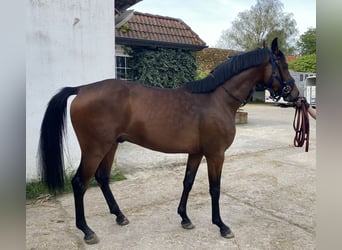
(50,149)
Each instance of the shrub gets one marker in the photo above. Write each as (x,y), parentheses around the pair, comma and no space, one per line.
(304,64)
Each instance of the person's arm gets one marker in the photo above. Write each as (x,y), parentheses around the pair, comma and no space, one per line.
(312,112)
(310,109)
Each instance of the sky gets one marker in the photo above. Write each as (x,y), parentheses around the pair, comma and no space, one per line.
(209,18)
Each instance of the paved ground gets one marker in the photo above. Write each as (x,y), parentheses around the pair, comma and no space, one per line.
(268,197)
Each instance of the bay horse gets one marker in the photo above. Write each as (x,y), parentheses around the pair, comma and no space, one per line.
(197,118)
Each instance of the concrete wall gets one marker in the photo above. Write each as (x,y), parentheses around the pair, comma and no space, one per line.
(69,42)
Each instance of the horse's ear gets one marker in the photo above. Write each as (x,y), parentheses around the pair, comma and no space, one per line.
(274,46)
(264,44)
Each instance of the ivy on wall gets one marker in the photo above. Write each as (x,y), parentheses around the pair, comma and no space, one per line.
(161,67)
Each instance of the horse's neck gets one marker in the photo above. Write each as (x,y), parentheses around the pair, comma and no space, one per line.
(238,88)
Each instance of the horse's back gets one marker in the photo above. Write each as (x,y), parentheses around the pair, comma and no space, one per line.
(167,120)
(114,110)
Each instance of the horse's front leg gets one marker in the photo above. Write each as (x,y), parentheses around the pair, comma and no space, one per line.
(214,173)
(191,169)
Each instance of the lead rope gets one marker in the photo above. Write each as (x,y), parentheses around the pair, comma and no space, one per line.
(301,125)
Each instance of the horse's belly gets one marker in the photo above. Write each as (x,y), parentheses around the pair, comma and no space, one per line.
(164,141)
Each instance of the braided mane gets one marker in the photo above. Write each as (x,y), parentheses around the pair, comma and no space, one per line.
(227,70)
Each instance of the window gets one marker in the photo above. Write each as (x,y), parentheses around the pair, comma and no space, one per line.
(301,77)
(122,69)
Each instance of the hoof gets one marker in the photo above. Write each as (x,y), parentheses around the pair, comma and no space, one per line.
(91,239)
(188,225)
(228,234)
(122,221)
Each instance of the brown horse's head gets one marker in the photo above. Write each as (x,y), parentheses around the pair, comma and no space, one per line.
(278,79)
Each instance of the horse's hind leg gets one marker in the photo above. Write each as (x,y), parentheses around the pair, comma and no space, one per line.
(102,177)
(80,183)
(191,169)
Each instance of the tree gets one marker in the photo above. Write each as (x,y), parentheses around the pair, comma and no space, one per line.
(263,21)
(304,64)
(307,42)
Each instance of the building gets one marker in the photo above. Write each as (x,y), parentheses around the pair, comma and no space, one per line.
(68,43)
(147,30)
(71,42)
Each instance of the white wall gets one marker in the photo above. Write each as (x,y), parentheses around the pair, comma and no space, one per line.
(69,42)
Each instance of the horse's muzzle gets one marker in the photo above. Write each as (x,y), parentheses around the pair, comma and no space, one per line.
(292,97)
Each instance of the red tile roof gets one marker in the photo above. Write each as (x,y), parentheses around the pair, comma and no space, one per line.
(291,58)
(147,29)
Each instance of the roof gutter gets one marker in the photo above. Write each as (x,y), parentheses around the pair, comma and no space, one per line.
(155,43)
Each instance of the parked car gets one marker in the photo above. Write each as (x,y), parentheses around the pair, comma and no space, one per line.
(310,90)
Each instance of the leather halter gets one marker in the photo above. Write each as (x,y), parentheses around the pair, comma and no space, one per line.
(233,96)
(286,86)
